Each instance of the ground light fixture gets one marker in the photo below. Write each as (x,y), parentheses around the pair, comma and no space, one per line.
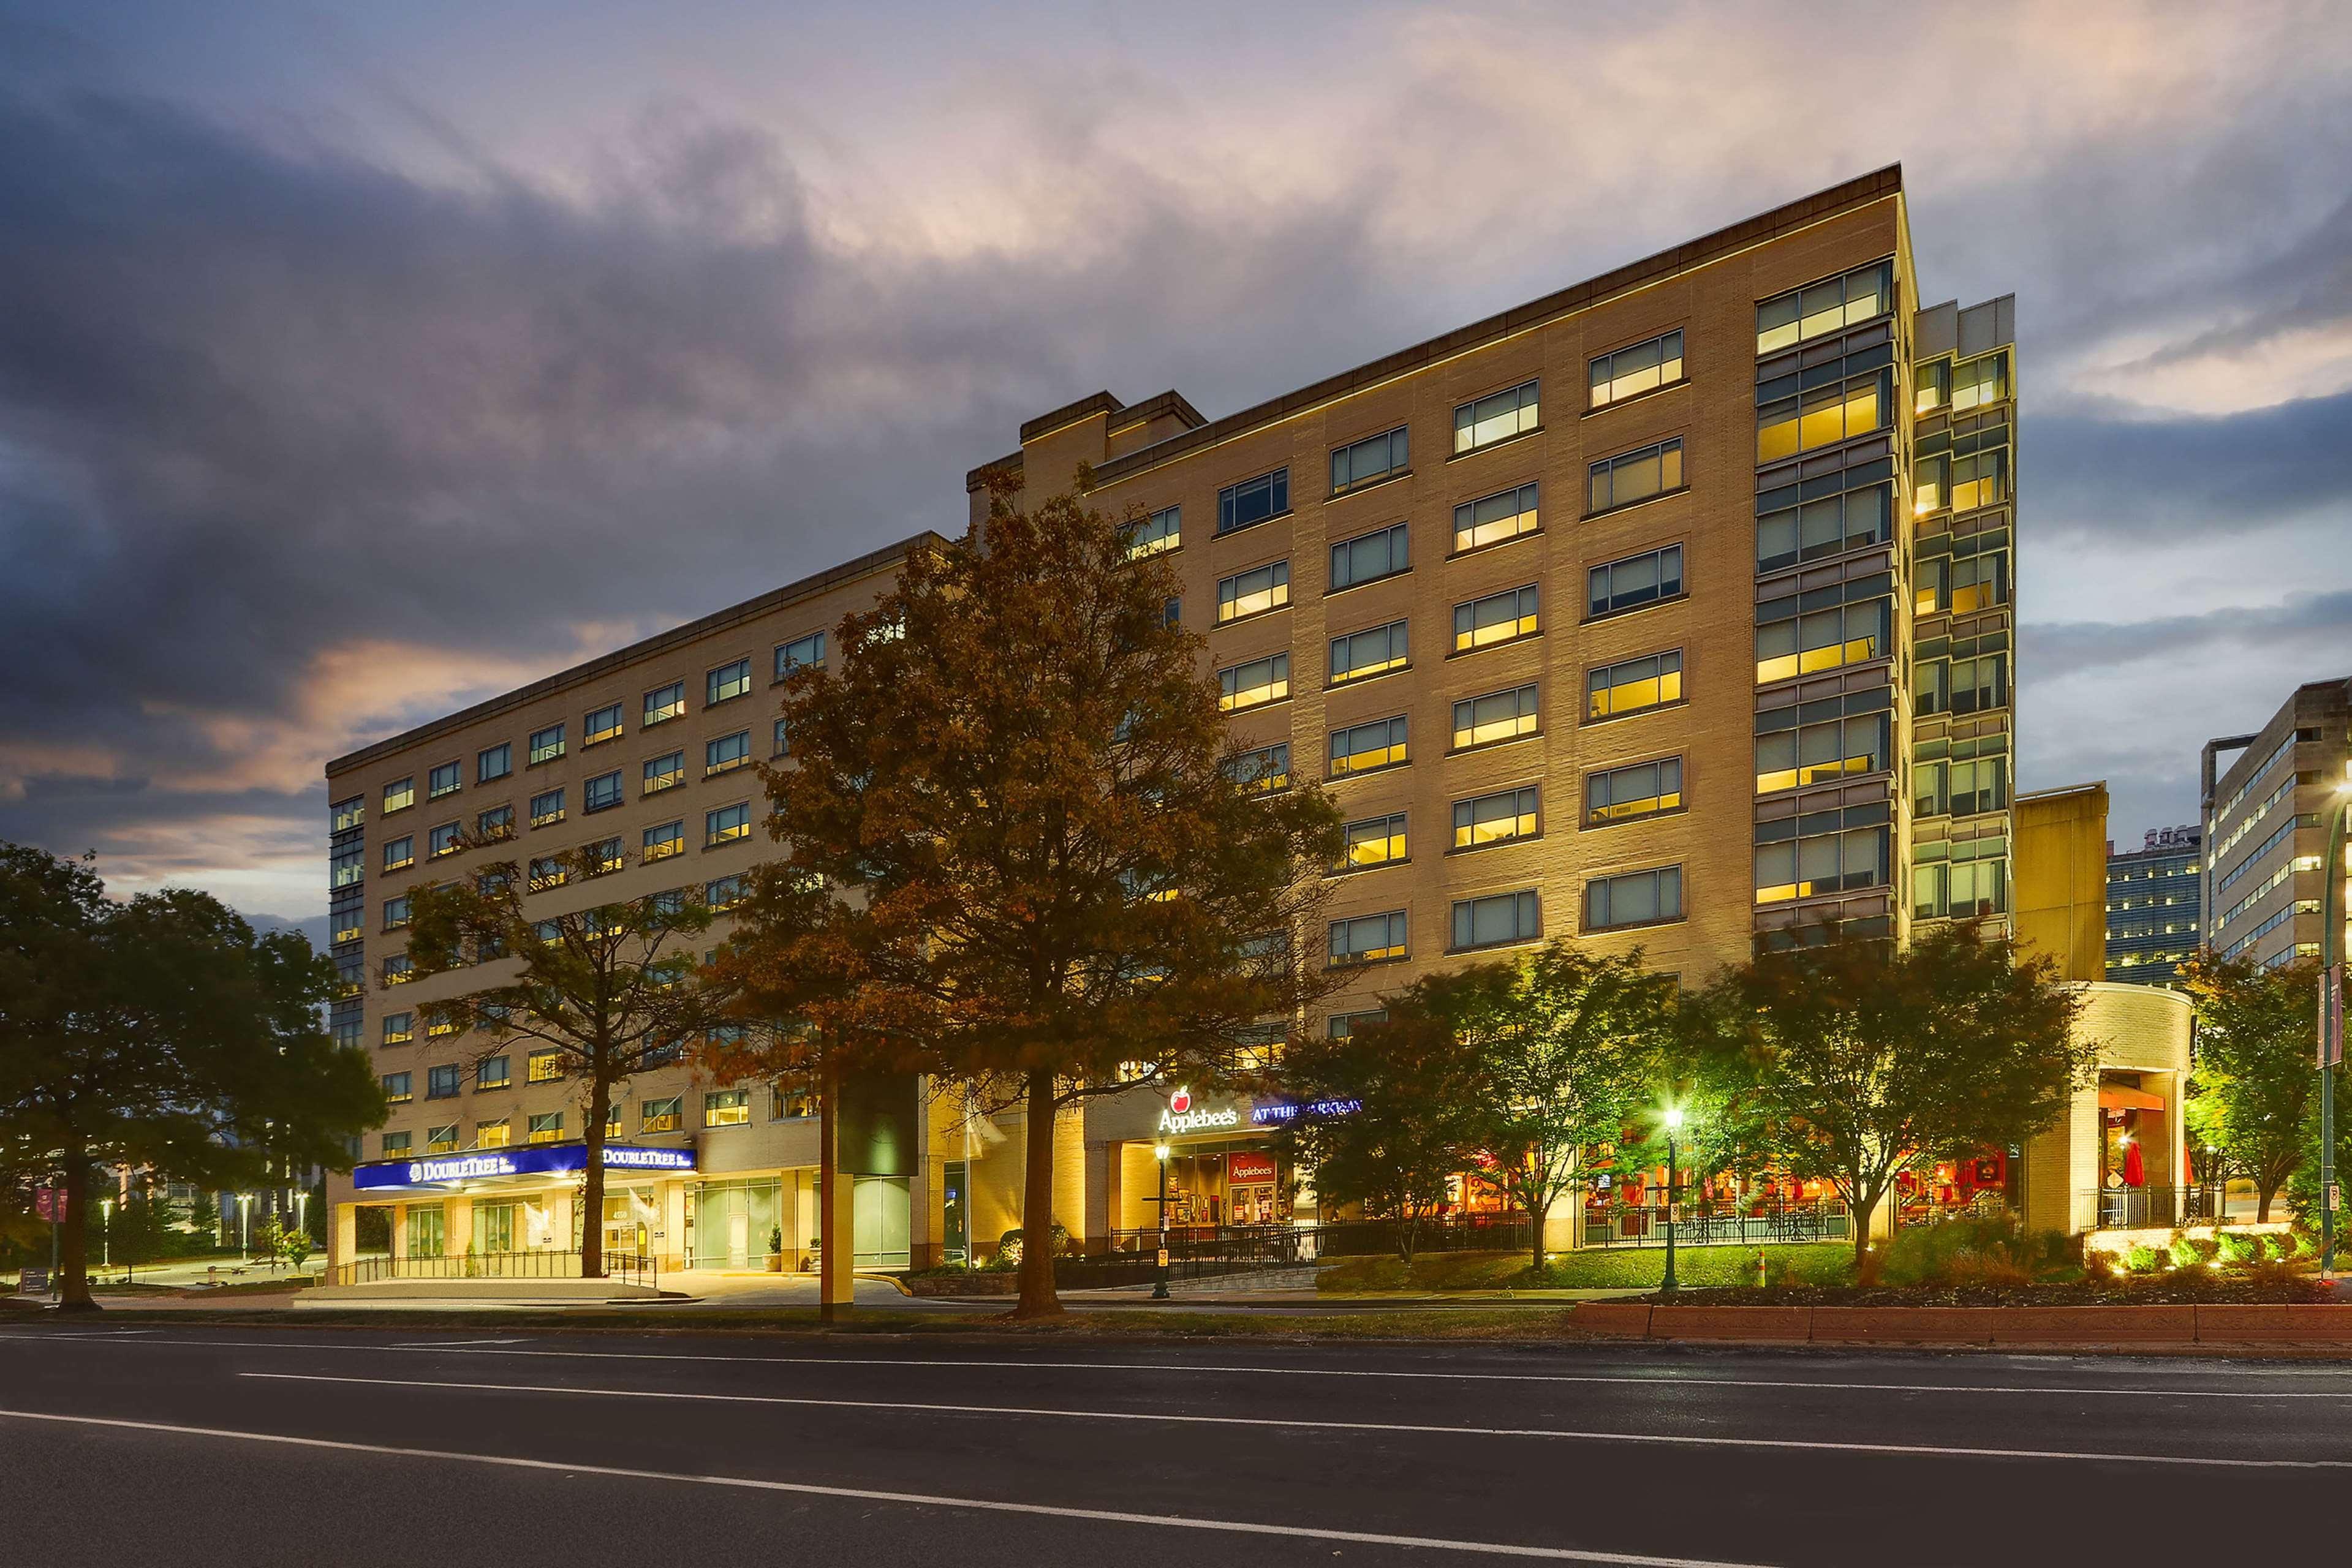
(1674,1119)
(1159,1272)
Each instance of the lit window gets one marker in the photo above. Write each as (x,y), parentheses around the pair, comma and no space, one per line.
(1637,898)
(1788,643)
(1255,684)
(1266,768)
(1642,368)
(726,1107)
(446,840)
(495,824)
(667,840)
(1495,519)
(393,1144)
(546,744)
(544,1067)
(1819,863)
(1931,387)
(548,871)
(397,1088)
(1252,592)
(1374,457)
(663,771)
(1495,417)
(727,753)
(799,654)
(1818,753)
(395,912)
(1368,558)
(1496,618)
(660,1115)
(605,856)
(1252,501)
(1980,382)
(1980,479)
(1641,789)
(1376,841)
(1823,416)
(727,681)
(1634,582)
(1152,535)
(601,725)
(1633,476)
(1493,921)
(493,762)
(664,703)
(603,792)
(491,1134)
(1359,655)
(443,780)
(345,815)
(727,824)
(547,1127)
(399,795)
(1634,686)
(1497,716)
(724,893)
(399,1029)
(1361,748)
(400,853)
(1497,819)
(1803,314)
(441,1140)
(1368,938)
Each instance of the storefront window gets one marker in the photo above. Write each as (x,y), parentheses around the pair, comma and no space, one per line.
(734,1221)
(425,1234)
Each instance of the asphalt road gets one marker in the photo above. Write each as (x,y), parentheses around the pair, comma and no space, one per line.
(253,1446)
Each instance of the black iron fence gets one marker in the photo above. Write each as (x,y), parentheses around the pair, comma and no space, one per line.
(2145,1207)
(1718,1224)
(538,1263)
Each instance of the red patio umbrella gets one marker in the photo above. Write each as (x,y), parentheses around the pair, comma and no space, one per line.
(2135,1168)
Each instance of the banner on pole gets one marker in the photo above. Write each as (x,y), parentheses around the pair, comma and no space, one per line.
(2331,1016)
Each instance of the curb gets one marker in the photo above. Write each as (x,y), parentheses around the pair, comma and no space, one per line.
(2281,1323)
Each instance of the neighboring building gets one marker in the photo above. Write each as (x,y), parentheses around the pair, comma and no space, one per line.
(2154,893)
(1669,611)
(2265,826)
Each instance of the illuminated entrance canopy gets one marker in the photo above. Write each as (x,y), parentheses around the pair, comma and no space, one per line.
(535,1159)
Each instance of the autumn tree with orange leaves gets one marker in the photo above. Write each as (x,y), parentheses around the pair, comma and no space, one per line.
(1020,849)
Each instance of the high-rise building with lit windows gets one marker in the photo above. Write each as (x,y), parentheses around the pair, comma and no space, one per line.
(1669,610)
(2265,825)
(2153,895)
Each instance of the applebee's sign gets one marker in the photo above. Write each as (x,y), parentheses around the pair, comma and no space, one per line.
(1179,1117)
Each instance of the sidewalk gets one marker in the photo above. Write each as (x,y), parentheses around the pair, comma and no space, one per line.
(2182,1327)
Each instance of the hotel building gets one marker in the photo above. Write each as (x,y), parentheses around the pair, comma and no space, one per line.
(1671,611)
(2154,893)
(2266,829)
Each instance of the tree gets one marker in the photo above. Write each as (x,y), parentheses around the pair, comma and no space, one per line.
(1854,1058)
(162,1035)
(1019,848)
(2256,1077)
(1566,1045)
(204,1219)
(1388,1114)
(607,989)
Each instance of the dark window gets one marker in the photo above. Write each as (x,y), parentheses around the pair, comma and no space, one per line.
(1369,557)
(1253,500)
(1637,579)
(1374,457)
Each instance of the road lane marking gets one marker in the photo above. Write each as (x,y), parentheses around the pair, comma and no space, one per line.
(1300,1423)
(449,1344)
(917,1499)
(1661,1381)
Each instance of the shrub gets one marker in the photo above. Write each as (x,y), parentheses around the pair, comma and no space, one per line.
(2192,1252)
(1981,1248)
(2306,1243)
(2236,1251)
(1008,1246)
(2098,1266)
(2142,1259)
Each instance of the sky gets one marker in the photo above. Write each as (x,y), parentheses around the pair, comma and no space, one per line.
(359,361)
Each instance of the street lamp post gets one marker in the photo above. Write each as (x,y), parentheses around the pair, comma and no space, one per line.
(105,1233)
(2330,1048)
(245,1227)
(1160,1273)
(1673,1120)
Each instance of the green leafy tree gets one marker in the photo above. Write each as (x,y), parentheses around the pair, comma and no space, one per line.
(1388,1115)
(1852,1058)
(203,1220)
(1566,1047)
(608,989)
(2255,1084)
(1019,848)
(160,1034)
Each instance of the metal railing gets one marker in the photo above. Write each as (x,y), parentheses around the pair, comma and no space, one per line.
(1718,1224)
(538,1263)
(2140,1207)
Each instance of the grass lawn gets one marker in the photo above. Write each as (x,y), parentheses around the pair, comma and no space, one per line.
(1628,1268)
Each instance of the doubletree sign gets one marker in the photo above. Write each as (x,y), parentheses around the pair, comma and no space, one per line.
(1181,1117)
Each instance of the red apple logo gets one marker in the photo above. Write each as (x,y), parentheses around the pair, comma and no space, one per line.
(1181,1101)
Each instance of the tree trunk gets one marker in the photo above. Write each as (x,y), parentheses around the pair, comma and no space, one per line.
(2262,1197)
(1539,1219)
(73,1250)
(591,1181)
(1862,1210)
(1037,1296)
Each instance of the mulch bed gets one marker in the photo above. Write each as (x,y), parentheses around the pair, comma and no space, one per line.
(2161,1290)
